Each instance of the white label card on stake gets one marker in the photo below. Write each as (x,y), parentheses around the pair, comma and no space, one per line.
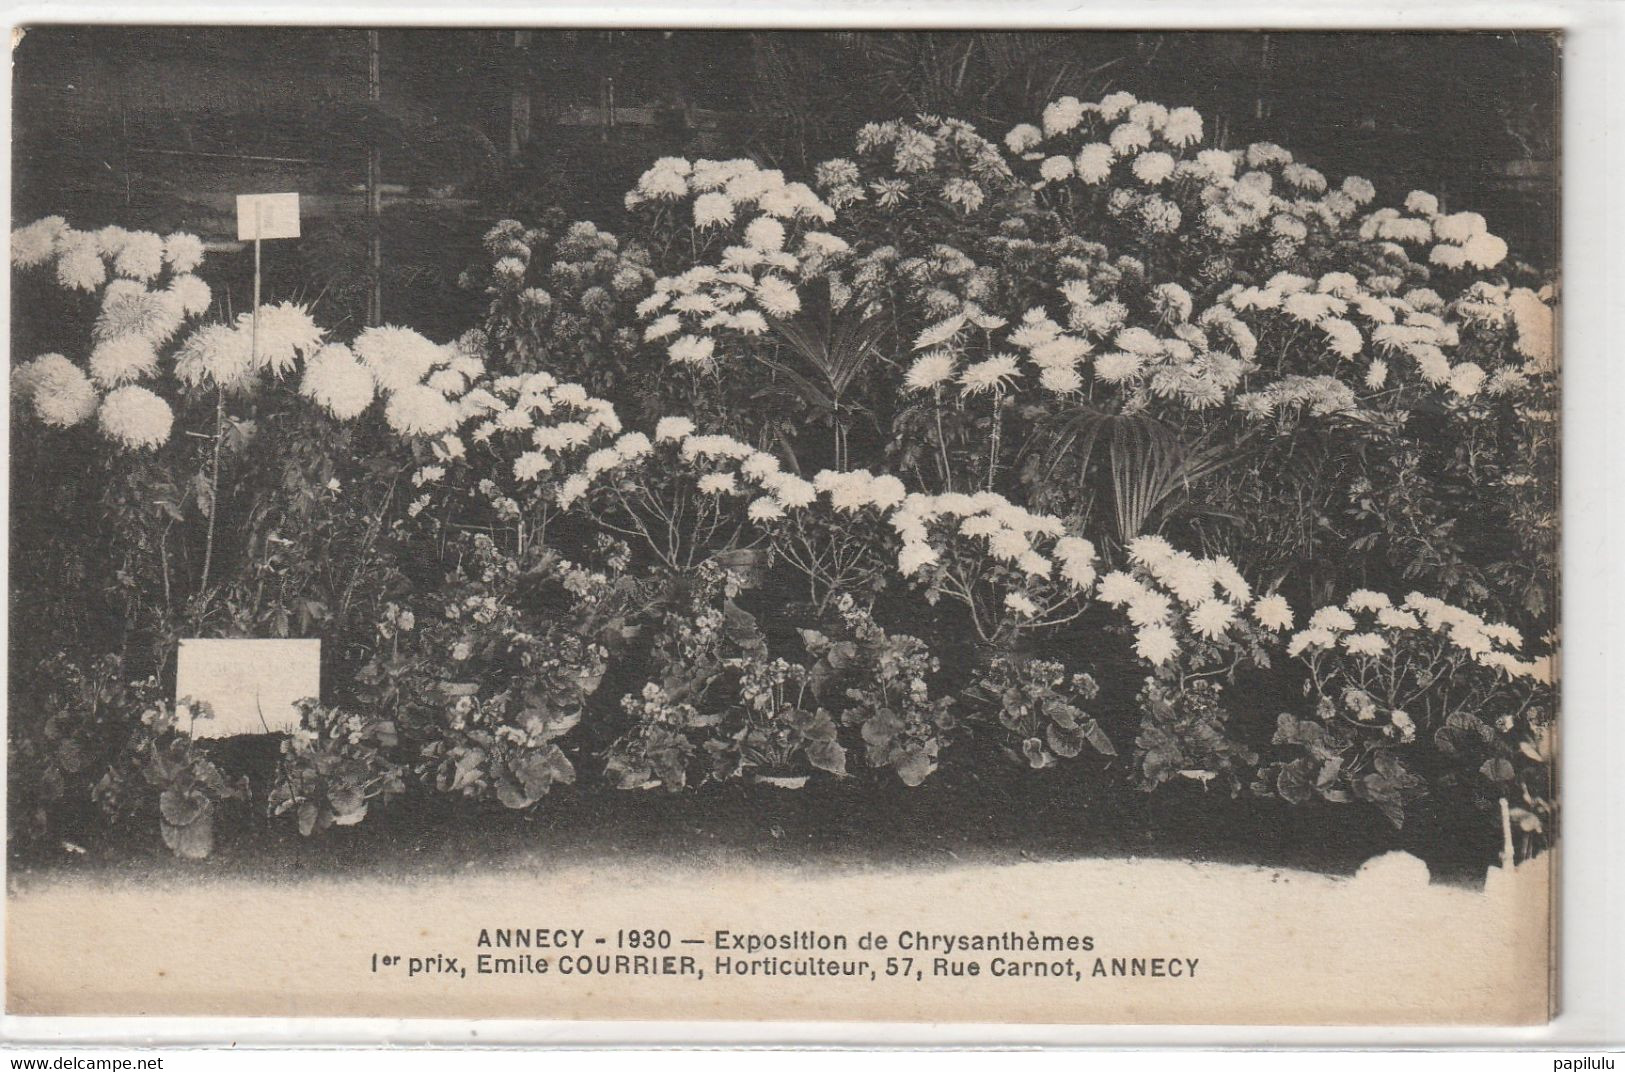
(267,216)
(251,685)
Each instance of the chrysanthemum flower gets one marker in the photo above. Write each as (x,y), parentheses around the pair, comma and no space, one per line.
(122,360)
(62,395)
(914,556)
(335,380)
(1093,164)
(1156,644)
(1023,137)
(993,374)
(1055,169)
(777,296)
(1210,619)
(669,429)
(1364,599)
(1273,612)
(191,294)
(140,256)
(183,251)
(1061,379)
(1310,638)
(1127,138)
(692,350)
(1020,605)
(420,410)
(793,491)
(1394,618)
(397,357)
(215,354)
(135,418)
(1182,127)
(930,370)
(1365,643)
(79,264)
(1153,169)
(1113,105)
(34,244)
(284,334)
(1332,619)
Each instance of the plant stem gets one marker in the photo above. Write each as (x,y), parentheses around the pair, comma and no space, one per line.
(214,486)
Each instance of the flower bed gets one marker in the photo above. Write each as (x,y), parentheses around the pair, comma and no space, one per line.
(1095,451)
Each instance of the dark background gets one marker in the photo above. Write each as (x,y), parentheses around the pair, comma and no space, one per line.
(160,127)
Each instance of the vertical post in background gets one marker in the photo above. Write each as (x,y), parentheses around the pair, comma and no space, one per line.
(375,197)
(519,98)
(254,318)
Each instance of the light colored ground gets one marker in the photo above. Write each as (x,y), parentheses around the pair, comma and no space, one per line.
(1270,946)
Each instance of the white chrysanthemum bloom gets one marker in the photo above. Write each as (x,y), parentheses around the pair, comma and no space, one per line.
(571,491)
(135,418)
(1127,138)
(1149,608)
(994,374)
(914,556)
(36,243)
(1466,379)
(429,474)
(1376,374)
(1359,190)
(420,410)
(1062,116)
(1117,366)
(1394,618)
(1155,644)
(217,355)
(1364,599)
(930,370)
(777,296)
(1008,545)
(123,360)
(530,465)
(1485,250)
(1332,619)
(1310,638)
(1153,169)
(1459,227)
(1182,127)
(1061,379)
(1447,256)
(1114,105)
(79,264)
(765,509)
(1343,337)
(663,327)
(1137,340)
(1212,618)
(1023,137)
(765,233)
(1422,203)
(1093,164)
(980,525)
(191,294)
(886,492)
(713,209)
(1019,604)
(1218,164)
(1273,612)
(748,322)
(62,395)
(1034,564)
(793,491)
(1365,643)
(140,256)
(397,357)
(129,308)
(670,429)
(653,303)
(1431,362)
(183,251)
(692,350)
(339,383)
(1055,169)
(284,334)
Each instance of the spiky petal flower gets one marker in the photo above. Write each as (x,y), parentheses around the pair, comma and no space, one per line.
(335,380)
(419,410)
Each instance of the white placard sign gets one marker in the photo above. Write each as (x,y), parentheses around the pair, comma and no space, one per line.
(252,685)
(267,216)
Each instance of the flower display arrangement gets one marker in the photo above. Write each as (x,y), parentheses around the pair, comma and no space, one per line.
(1086,452)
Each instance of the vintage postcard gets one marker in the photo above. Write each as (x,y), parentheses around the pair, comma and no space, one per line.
(916,526)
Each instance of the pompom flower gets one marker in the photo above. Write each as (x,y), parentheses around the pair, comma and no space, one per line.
(1273,612)
(123,360)
(335,380)
(191,294)
(1155,644)
(62,395)
(420,410)
(141,256)
(135,418)
(397,357)
(183,251)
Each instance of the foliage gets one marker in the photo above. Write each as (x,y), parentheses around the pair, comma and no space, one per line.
(164,773)
(1042,709)
(1184,733)
(335,765)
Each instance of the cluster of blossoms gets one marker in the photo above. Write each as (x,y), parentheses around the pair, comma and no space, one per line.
(764,228)
(1145,161)
(136,319)
(1169,594)
(1370,624)
(901,163)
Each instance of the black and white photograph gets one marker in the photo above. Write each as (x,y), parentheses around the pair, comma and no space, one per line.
(1007,526)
